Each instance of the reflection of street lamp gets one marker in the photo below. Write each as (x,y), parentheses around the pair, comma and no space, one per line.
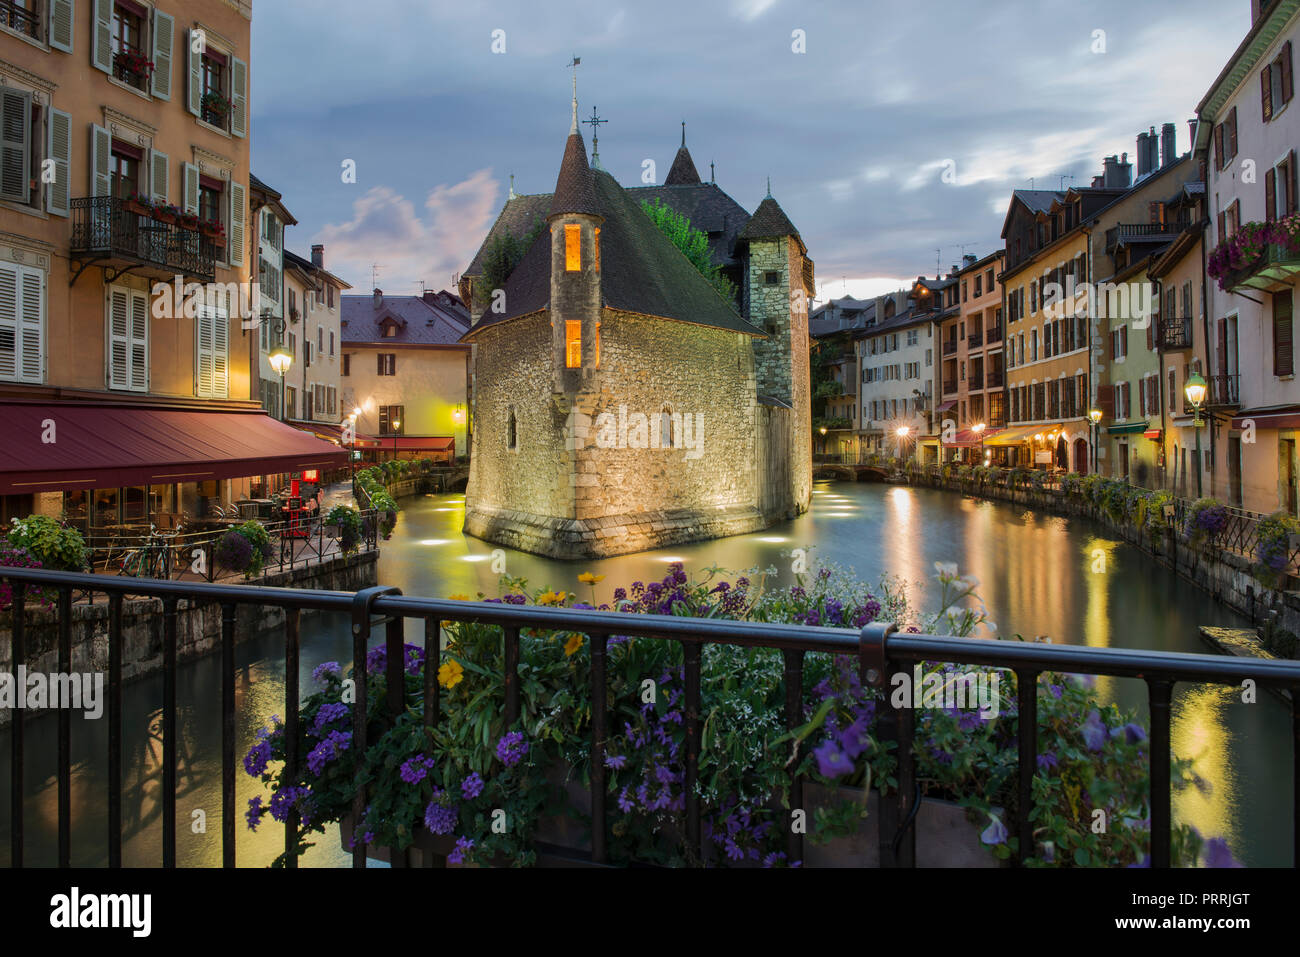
(1195,392)
(1095,416)
(281,359)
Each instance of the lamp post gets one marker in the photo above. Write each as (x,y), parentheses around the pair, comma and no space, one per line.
(397,424)
(903,431)
(1095,416)
(281,359)
(978,429)
(1195,392)
(352,450)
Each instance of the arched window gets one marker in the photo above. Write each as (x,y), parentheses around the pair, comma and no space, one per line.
(512,431)
(667,436)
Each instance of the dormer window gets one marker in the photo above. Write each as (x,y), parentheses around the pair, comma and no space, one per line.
(572,247)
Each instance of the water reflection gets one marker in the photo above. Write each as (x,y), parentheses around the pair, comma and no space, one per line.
(1039,575)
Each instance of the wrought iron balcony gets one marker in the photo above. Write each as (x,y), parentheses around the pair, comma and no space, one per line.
(106,233)
(1126,233)
(949,386)
(19,18)
(1222,390)
(975,381)
(949,347)
(1176,333)
(975,340)
(1275,269)
(994,378)
(994,334)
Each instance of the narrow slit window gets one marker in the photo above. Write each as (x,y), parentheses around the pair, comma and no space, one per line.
(596,260)
(572,248)
(597,345)
(573,344)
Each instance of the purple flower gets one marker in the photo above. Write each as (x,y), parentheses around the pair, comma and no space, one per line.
(441,818)
(854,739)
(615,761)
(1094,732)
(325,668)
(831,761)
(463,846)
(327,714)
(284,800)
(328,750)
(625,804)
(511,748)
(256,760)
(1056,690)
(414,770)
(995,833)
(1218,854)
(1047,760)
(254,813)
(472,786)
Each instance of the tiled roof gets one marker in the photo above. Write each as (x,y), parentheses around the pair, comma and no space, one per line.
(417,320)
(641,270)
(769,220)
(708,208)
(573,185)
(683,171)
(517,218)
(1038,200)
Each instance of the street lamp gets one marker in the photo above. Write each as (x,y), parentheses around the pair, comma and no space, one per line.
(1195,392)
(397,424)
(1095,416)
(978,429)
(352,452)
(281,359)
(903,431)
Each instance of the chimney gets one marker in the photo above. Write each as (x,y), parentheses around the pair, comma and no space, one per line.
(1191,134)
(379,298)
(1142,154)
(1168,144)
(431,297)
(1108,170)
(968,259)
(318,256)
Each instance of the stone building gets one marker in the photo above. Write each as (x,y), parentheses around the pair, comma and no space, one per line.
(622,401)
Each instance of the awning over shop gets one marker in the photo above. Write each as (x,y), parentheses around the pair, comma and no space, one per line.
(1276,417)
(1013,436)
(419,443)
(1153,434)
(1127,428)
(946,406)
(56,446)
(334,433)
(968,438)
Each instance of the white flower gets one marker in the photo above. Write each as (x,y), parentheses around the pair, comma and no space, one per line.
(946,569)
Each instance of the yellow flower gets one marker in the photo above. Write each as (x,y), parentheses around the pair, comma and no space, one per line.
(587,578)
(451,674)
(458,597)
(573,644)
(552,598)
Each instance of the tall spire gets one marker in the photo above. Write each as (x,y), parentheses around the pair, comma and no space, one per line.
(682,172)
(769,187)
(683,134)
(576,60)
(512,186)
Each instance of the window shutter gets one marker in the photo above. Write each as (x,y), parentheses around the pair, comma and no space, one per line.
(1218,146)
(58,199)
(380,370)
(1142,395)
(1270,195)
(239,97)
(164,26)
(1232,132)
(1221,356)
(194,74)
(15,144)
(101,36)
(1222,224)
(1287,91)
(119,335)
(236,227)
(190,187)
(203,328)
(220,352)
(31,315)
(1283,353)
(61,20)
(101,148)
(10,337)
(1266,92)
(1290,183)
(139,341)
(158,174)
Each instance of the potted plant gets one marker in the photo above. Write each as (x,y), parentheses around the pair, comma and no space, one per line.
(138,204)
(215,231)
(134,62)
(216,105)
(168,215)
(1273,549)
(188,220)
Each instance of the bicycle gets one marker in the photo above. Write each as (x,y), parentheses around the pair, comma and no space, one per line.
(151,559)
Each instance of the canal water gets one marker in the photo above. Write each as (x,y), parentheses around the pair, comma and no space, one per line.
(1039,574)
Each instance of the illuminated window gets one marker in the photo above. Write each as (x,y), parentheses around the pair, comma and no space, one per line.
(572,343)
(596,244)
(572,248)
(598,344)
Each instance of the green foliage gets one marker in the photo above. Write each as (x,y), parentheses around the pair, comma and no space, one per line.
(53,544)
(348,521)
(1273,548)
(503,255)
(829,388)
(693,243)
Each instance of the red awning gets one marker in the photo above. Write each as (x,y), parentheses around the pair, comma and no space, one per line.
(418,443)
(109,446)
(968,438)
(1283,418)
(1152,433)
(946,406)
(334,433)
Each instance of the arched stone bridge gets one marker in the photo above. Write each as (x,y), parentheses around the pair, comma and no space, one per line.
(851,473)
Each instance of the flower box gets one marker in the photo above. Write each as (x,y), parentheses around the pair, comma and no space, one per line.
(166,216)
(137,207)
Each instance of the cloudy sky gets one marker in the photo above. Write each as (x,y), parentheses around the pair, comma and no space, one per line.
(856,132)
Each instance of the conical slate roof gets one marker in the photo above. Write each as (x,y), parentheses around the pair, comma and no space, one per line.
(573,192)
(683,171)
(769,220)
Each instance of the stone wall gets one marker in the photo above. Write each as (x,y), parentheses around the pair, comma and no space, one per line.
(198,626)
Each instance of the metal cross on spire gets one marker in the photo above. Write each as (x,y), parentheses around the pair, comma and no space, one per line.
(574,64)
(594,123)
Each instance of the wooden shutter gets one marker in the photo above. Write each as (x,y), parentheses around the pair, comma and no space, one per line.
(1270,195)
(1290,183)
(1221,221)
(1221,357)
(138,340)
(220,352)
(235,228)
(101,148)
(194,73)
(1232,133)
(190,187)
(238,97)
(22,314)
(61,24)
(203,329)
(1142,395)
(164,26)
(1287,91)
(1283,352)
(15,145)
(158,176)
(119,335)
(101,36)
(1266,92)
(58,200)
(1218,146)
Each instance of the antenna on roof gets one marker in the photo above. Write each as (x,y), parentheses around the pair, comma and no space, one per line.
(374,275)
(1063,179)
(938,259)
(769,187)
(1031,182)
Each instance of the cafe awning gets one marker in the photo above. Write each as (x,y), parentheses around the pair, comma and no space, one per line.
(334,433)
(968,438)
(54,447)
(951,404)
(1013,436)
(419,443)
(1127,428)
(1274,417)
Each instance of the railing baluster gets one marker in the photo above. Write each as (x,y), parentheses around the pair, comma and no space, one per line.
(169,734)
(19,657)
(691,725)
(1159,693)
(292,702)
(65,731)
(512,675)
(115,730)
(227,734)
(1295,775)
(395,667)
(598,735)
(1027,739)
(360,636)
(793,719)
(432,661)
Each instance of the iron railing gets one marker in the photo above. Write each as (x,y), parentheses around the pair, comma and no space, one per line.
(19,18)
(950,347)
(949,386)
(1131,231)
(994,334)
(1175,333)
(880,652)
(102,226)
(1223,390)
(974,340)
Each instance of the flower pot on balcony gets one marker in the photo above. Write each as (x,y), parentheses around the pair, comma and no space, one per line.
(136,207)
(165,216)
(215,236)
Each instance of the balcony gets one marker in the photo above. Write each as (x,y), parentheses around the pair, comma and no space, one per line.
(1175,333)
(1129,233)
(975,340)
(994,379)
(993,335)
(950,347)
(106,233)
(975,381)
(949,386)
(1274,270)
(20,19)
(1222,391)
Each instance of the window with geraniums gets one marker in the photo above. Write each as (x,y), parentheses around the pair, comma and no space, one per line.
(214,107)
(131,62)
